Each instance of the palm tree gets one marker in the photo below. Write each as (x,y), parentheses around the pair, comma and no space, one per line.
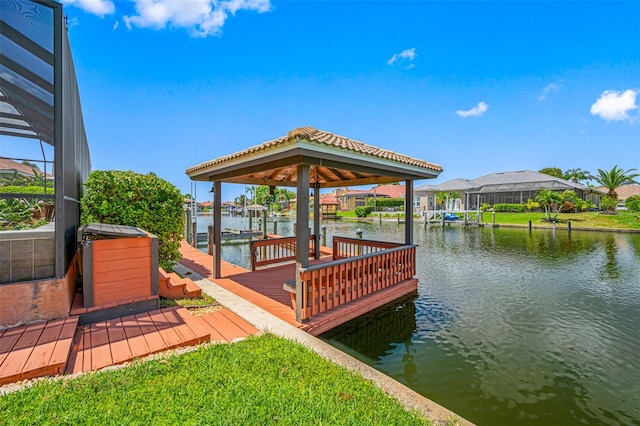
(548,198)
(614,178)
(551,199)
(577,175)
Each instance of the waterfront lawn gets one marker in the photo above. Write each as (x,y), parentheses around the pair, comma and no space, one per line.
(261,380)
(624,219)
(374,215)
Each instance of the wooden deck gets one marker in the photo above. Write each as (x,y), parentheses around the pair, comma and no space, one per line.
(264,289)
(120,340)
(61,346)
(35,350)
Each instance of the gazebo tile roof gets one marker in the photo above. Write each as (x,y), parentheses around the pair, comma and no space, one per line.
(323,138)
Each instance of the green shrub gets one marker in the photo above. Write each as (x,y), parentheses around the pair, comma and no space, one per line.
(583,205)
(362,211)
(608,203)
(532,205)
(385,202)
(509,208)
(13,189)
(568,207)
(633,203)
(145,201)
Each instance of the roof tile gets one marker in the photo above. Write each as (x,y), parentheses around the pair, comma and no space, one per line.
(325,138)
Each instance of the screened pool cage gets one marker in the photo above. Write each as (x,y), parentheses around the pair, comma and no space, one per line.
(44,156)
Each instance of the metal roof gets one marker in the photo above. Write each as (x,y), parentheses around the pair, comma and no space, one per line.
(335,161)
(449,186)
(523,180)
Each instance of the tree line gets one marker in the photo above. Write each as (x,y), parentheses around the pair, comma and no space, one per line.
(609,179)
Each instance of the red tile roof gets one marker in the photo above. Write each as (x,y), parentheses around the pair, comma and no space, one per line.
(23,169)
(392,191)
(324,138)
(327,200)
(624,191)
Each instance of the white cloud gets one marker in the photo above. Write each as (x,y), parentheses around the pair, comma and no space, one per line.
(615,106)
(476,111)
(201,17)
(409,54)
(548,90)
(96,7)
(116,25)
(259,6)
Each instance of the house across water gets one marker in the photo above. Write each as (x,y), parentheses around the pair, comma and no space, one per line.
(505,187)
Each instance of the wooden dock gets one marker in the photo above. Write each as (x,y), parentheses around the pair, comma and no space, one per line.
(264,288)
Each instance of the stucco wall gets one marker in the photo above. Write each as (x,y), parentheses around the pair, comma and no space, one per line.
(26,302)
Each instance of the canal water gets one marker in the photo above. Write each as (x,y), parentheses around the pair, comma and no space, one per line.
(509,327)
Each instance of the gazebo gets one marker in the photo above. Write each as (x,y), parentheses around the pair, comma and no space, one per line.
(307,158)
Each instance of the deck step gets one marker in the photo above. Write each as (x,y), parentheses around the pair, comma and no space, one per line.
(172,286)
(225,326)
(36,350)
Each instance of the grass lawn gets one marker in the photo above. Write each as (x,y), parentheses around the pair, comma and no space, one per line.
(623,219)
(372,216)
(204,300)
(261,380)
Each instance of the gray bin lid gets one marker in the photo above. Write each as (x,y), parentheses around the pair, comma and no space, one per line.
(118,231)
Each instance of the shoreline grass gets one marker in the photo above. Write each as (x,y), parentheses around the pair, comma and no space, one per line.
(622,220)
(592,220)
(260,380)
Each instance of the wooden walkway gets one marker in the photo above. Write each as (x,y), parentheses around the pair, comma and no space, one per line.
(257,287)
(60,346)
(35,350)
(263,288)
(120,340)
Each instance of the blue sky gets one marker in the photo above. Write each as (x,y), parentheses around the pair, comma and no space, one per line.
(476,87)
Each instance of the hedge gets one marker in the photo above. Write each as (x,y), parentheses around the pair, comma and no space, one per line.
(362,211)
(385,202)
(145,201)
(13,189)
(509,208)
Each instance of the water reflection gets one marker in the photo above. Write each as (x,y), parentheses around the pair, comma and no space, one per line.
(520,328)
(377,334)
(610,270)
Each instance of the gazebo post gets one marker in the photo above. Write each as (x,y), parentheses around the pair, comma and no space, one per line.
(316,221)
(408,212)
(217,227)
(302,234)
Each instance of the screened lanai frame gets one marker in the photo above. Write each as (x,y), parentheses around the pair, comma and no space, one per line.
(39,100)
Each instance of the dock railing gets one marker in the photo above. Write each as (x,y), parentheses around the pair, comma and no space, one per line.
(276,250)
(350,247)
(329,285)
